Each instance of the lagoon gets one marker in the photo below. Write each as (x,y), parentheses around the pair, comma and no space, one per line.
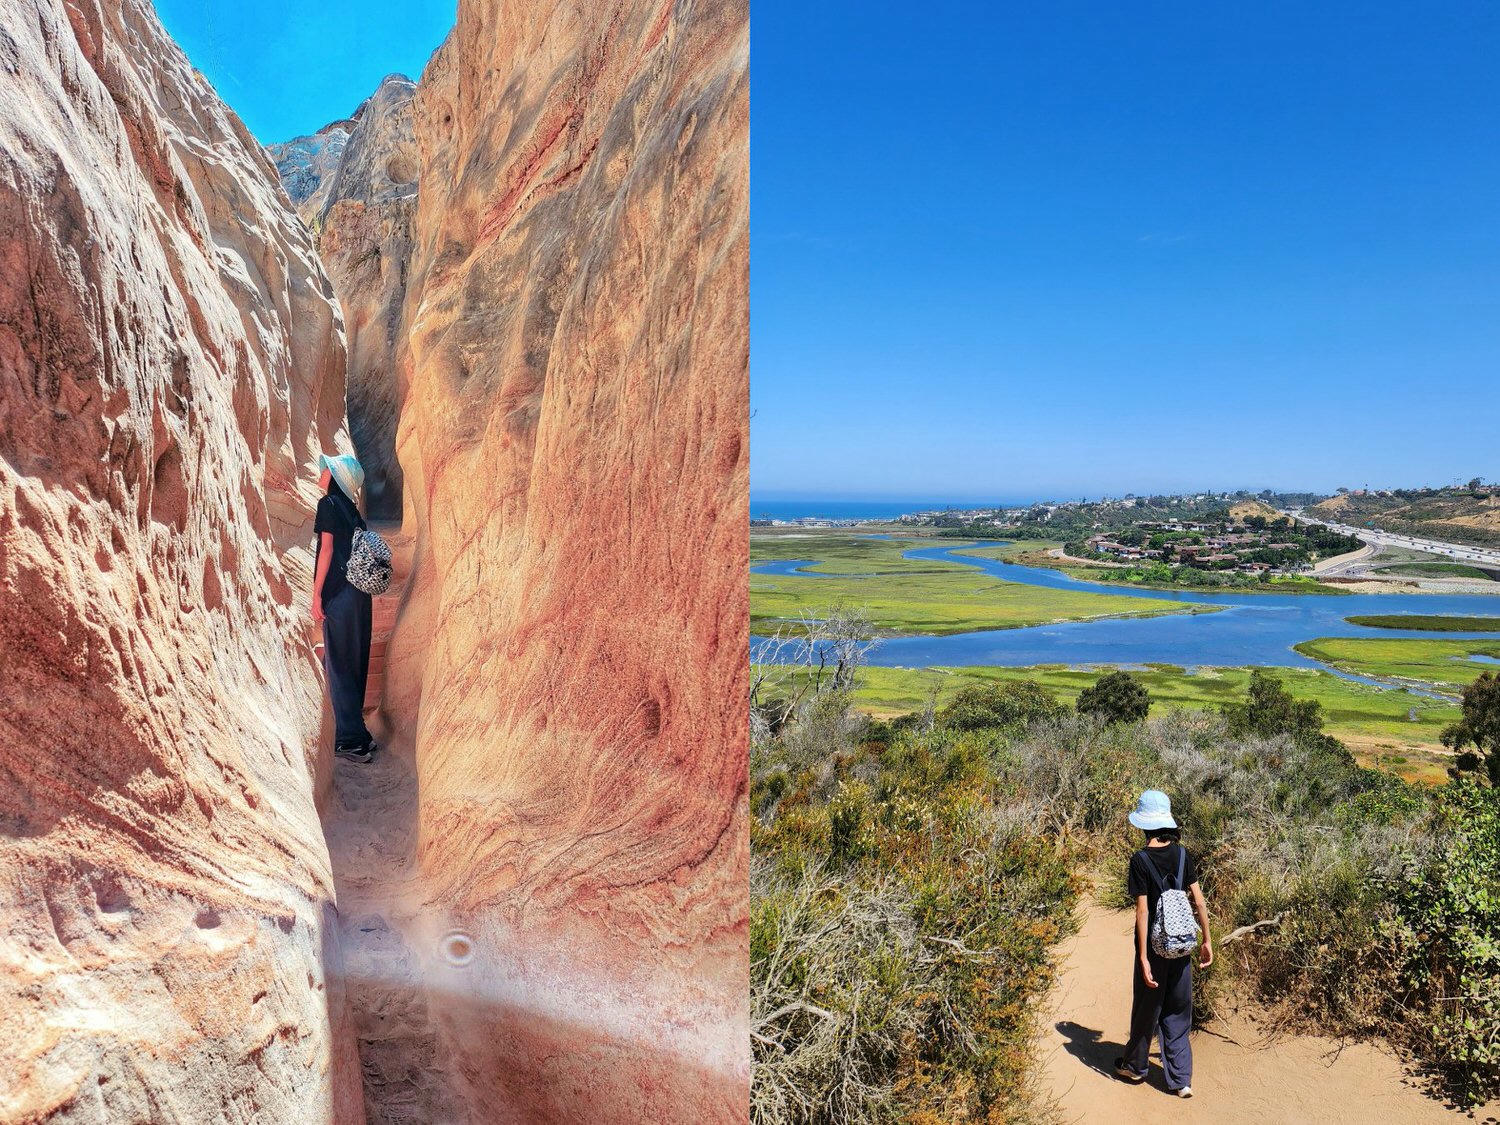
(1248,629)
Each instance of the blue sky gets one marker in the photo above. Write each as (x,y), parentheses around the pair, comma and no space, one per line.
(1079,248)
(289,69)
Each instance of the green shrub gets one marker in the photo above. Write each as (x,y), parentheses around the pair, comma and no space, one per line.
(1476,736)
(1269,710)
(965,841)
(1009,704)
(1449,918)
(1115,698)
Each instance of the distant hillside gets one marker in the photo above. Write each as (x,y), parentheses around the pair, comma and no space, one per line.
(1458,515)
(1247,508)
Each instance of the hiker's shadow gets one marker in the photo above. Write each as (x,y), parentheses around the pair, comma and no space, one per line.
(1090,1047)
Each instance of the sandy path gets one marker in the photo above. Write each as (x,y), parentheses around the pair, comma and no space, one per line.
(1238,1075)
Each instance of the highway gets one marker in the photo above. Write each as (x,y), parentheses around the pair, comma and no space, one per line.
(1480,556)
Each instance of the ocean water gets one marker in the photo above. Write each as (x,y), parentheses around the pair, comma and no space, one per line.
(832,509)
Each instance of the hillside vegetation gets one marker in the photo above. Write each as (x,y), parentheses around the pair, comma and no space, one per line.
(910,880)
(1394,730)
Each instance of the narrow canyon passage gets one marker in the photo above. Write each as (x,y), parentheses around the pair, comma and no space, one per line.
(370,824)
(537,263)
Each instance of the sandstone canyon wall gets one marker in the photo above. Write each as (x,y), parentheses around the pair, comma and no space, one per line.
(571,656)
(354,185)
(171,362)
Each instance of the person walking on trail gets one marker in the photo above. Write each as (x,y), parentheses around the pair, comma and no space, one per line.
(1171,922)
(344,612)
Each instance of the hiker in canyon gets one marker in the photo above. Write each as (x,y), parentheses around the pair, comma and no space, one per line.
(1171,921)
(343,610)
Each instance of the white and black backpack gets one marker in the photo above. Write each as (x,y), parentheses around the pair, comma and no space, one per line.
(369,568)
(1174,933)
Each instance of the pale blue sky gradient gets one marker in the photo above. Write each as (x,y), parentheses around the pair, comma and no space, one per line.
(289,69)
(1084,247)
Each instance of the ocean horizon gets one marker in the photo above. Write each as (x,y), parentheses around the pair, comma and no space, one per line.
(832,508)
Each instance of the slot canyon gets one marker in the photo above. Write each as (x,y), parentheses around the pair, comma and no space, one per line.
(517,287)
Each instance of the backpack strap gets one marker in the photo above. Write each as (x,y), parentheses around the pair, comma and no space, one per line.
(348,505)
(1181,866)
(1151,870)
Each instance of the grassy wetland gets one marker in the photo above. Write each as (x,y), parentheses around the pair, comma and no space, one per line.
(903,595)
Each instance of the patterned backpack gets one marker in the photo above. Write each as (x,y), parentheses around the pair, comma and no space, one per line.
(1174,933)
(369,568)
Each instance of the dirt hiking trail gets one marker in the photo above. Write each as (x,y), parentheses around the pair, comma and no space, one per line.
(1239,1075)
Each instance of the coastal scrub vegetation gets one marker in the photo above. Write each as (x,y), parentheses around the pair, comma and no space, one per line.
(911,877)
(1476,735)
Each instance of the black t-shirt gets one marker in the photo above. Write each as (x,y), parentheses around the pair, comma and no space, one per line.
(1164,860)
(338,516)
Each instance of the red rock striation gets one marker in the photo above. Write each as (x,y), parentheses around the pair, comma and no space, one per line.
(171,362)
(571,655)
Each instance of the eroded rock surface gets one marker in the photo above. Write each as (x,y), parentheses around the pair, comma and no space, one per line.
(571,656)
(170,365)
(355,187)
(308,165)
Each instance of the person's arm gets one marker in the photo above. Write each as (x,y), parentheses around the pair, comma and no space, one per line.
(1200,908)
(325,556)
(1142,914)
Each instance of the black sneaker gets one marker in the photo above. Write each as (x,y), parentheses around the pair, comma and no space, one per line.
(1124,1071)
(360,754)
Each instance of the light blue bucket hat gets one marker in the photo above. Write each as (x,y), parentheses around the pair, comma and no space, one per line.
(347,472)
(1153,810)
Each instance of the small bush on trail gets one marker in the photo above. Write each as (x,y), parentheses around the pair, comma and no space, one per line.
(1449,933)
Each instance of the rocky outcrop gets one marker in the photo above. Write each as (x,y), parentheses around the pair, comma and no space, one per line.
(571,656)
(170,365)
(354,184)
(308,165)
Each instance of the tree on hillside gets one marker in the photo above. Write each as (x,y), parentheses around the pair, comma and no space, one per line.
(1477,734)
(1011,703)
(1270,710)
(1116,698)
(811,657)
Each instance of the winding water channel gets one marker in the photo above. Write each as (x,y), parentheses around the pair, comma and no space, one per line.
(1248,629)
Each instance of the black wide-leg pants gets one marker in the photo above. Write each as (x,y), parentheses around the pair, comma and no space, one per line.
(346,662)
(1165,1012)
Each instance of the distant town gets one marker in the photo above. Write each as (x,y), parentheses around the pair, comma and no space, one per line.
(1101,511)
(1231,538)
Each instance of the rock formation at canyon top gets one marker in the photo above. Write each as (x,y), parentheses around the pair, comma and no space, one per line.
(354,185)
(171,363)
